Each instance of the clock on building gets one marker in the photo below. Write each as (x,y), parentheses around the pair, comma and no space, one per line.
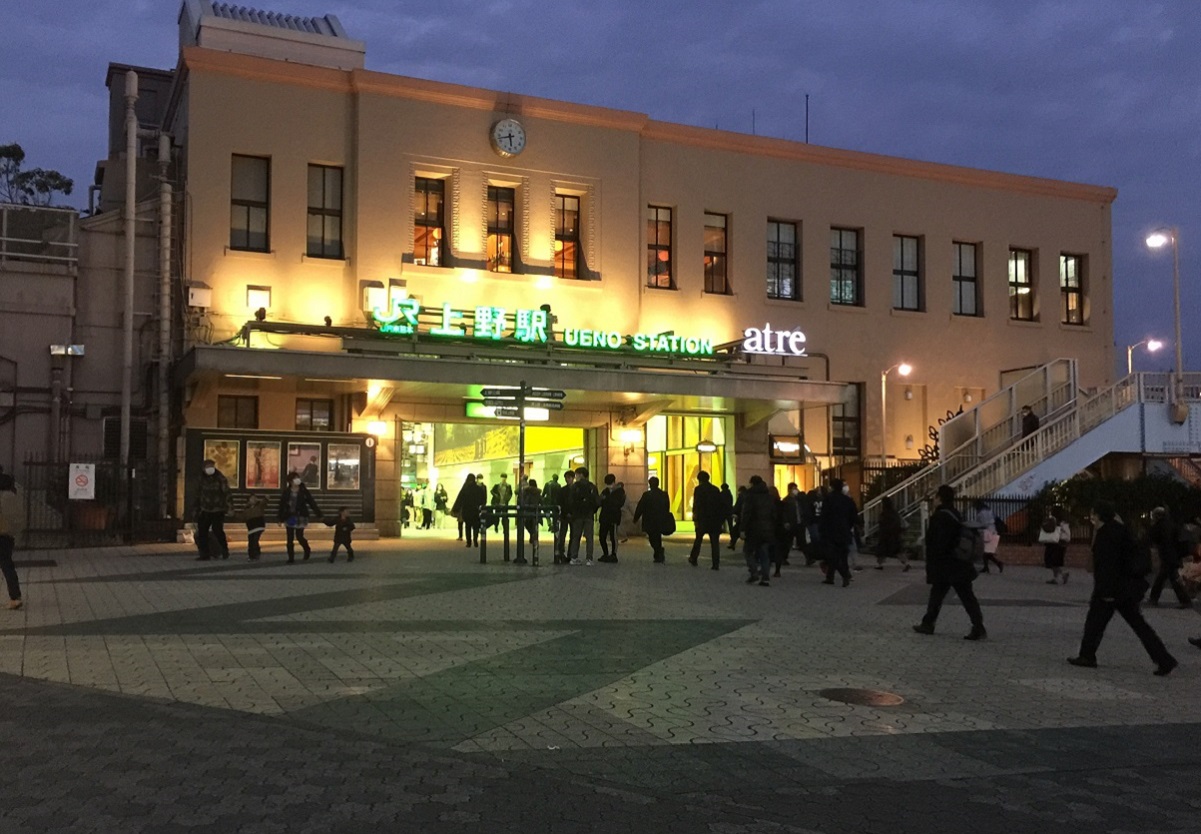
(508,137)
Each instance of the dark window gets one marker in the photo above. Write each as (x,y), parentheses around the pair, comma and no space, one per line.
(658,248)
(138,448)
(966,301)
(237,412)
(716,254)
(325,212)
(846,425)
(782,261)
(567,236)
(501,205)
(846,275)
(906,273)
(249,206)
(429,221)
(1021,285)
(314,415)
(1071,289)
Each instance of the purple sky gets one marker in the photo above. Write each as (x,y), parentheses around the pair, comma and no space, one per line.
(1097,91)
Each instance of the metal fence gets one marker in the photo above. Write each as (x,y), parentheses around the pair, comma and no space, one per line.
(124,509)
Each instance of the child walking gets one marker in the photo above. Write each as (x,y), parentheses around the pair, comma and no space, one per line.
(256,524)
(342,529)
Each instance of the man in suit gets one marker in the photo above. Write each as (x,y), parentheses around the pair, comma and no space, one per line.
(708,513)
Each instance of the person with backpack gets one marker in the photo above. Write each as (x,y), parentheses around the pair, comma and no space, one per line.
(949,551)
(582,503)
(1054,534)
(1120,569)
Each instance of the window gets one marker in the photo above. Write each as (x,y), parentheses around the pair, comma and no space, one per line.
(314,415)
(716,277)
(782,268)
(846,285)
(658,248)
(1071,289)
(567,236)
(966,299)
(906,275)
(325,212)
(1021,286)
(429,221)
(501,203)
(249,203)
(846,425)
(237,412)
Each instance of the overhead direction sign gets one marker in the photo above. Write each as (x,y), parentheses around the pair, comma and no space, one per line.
(546,394)
(549,404)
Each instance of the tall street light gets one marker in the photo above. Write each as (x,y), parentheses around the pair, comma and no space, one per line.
(1152,346)
(1157,240)
(904,369)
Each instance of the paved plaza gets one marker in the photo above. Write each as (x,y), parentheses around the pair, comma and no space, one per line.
(418,690)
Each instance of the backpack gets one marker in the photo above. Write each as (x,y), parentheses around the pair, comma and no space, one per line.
(584,499)
(1000,526)
(965,545)
(1050,525)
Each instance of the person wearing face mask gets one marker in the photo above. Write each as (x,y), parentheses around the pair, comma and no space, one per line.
(295,502)
(212,502)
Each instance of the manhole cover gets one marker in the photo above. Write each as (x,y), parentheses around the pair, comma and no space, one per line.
(863,697)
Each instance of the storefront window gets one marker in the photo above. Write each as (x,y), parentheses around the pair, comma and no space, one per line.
(674,458)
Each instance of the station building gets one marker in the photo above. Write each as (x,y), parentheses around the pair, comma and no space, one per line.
(362,254)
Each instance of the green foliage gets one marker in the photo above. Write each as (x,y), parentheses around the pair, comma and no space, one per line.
(35,187)
(1134,499)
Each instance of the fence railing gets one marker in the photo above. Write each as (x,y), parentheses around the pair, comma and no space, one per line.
(38,234)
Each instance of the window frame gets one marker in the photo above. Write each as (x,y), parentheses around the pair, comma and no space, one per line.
(250,207)
(1069,314)
(330,243)
(567,238)
(423,228)
(846,427)
(236,402)
(656,246)
(907,282)
(1016,282)
(775,261)
(717,260)
(959,278)
(310,402)
(498,232)
(841,272)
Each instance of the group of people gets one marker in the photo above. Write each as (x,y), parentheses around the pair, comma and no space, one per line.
(423,506)
(294,508)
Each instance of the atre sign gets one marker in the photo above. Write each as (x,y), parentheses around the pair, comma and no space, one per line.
(777,342)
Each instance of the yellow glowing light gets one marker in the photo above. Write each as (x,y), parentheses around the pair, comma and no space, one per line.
(631,435)
(257,297)
(378,428)
(373,389)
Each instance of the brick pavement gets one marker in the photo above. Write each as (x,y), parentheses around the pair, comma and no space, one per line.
(142,691)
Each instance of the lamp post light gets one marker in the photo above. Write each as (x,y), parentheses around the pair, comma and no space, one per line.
(1152,346)
(904,369)
(1157,240)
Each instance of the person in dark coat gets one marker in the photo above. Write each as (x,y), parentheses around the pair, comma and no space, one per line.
(295,502)
(1029,421)
(727,499)
(1118,585)
(654,511)
(1167,544)
(613,500)
(563,517)
(836,526)
(736,518)
(796,511)
(891,535)
(944,570)
(708,513)
(212,502)
(783,539)
(758,526)
(467,506)
(343,529)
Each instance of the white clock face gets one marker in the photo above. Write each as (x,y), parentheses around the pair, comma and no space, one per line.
(508,137)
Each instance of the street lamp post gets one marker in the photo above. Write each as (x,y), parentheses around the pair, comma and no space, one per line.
(904,369)
(1152,346)
(1157,240)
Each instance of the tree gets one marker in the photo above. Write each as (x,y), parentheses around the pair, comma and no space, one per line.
(35,187)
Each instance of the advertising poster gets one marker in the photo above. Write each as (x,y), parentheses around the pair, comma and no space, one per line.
(305,460)
(224,453)
(262,464)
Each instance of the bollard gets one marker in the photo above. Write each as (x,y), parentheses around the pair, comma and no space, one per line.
(483,537)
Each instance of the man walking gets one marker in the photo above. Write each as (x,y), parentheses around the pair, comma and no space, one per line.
(708,513)
(836,529)
(563,517)
(945,570)
(758,525)
(1119,582)
(212,502)
(654,511)
(612,500)
(502,494)
(1166,539)
(583,502)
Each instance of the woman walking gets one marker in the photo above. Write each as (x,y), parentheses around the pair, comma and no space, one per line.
(1055,535)
(295,501)
(986,523)
(467,508)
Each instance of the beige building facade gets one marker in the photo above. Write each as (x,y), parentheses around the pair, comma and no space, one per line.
(704,299)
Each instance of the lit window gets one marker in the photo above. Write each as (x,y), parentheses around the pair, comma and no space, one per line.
(1071,289)
(782,262)
(846,276)
(501,203)
(716,273)
(1021,285)
(429,222)
(567,236)
(658,248)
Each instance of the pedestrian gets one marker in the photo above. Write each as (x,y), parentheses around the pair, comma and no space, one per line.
(1029,421)
(583,502)
(467,508)
(343,527)
(708,515)
(256,524)
(758,525)
(654,511)
(612,501)
(782,542)
(1120,571)
(12,522)
(1166,541)
(1054,535)
(736,517)
(563,517)
(836,530)
(816,551)
(727,507)
(890,542)
(425,503)
(502,495)
(990,537)
(442,507)
(529,503)
(212,503)
(946,570)
(295,503)
(795,511)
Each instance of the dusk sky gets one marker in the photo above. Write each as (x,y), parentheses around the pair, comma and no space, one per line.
(1106,92)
